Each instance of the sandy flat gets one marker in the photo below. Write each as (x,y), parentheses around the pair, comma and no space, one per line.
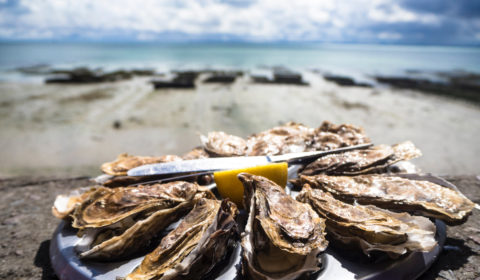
(68,129)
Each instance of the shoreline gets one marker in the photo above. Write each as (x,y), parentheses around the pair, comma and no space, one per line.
(60,129)
(460,84)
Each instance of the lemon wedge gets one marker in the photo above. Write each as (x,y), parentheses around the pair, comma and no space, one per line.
(228,185)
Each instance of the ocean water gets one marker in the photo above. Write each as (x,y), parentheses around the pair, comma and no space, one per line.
(343,59)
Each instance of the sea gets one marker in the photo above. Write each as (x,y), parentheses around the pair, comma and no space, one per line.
(358,61)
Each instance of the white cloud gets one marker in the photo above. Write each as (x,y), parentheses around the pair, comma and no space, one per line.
(251,20)
(264,19)
(385,11)
(389,36)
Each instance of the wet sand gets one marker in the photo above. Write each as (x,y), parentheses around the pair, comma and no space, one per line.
(68,130)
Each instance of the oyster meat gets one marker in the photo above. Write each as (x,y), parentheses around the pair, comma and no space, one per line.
(222,144)
(125,162)
(283,237)
(374,159)
(369,227)
(115,223)
(396,193)
(190,251)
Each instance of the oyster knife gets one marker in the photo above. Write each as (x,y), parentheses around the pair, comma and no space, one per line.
(226,163)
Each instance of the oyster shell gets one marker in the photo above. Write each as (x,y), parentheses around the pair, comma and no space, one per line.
(293,137)
(283,237)
(196,153)
(350,135)
(115,223)
(396,193)
(369,227)
(64,205)
(356,162)
(199,242)
(218,143)
(289,138)
(125,162)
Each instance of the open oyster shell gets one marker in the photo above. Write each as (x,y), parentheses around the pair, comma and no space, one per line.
(191,250)
(283,237)
(65,204)
(396,193)
(115,223)
(125,162)
(369,227)
(356,162)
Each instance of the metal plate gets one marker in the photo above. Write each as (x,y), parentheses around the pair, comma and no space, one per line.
(338,263)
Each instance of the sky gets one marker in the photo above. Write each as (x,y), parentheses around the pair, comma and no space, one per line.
(436,22)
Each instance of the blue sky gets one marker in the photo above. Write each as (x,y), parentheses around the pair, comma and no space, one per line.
(440,22)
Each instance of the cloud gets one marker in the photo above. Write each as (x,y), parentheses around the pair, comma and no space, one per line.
(405,21)
(457,8)
(389,36)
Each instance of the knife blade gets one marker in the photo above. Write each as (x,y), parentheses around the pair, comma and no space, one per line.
(226,163)
(198,165)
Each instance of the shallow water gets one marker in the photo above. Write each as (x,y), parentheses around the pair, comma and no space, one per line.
(354,60)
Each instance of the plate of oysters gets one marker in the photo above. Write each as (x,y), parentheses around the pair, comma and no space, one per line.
(360,213)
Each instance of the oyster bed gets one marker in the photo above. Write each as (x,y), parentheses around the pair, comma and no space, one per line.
(336,265)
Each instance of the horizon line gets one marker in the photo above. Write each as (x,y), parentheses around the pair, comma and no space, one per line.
(240,42)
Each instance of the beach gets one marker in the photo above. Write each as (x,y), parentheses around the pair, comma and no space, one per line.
(70,130)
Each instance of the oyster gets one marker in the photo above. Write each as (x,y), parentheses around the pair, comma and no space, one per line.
(371,228)
(283,237)
(64,205)
(125,162)
(196,153)
(114,223)
(350,135)
(293,137)
(222,144)
(289,138)
(199,242)
(356,162)
(397,193)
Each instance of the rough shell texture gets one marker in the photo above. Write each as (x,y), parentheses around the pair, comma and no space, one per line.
(396,193)
(115,223)
(199,242)
(369,227)
(288,138)
(64,205)
(125,162)
(222,144)
(374,159)
(283,237)
(196,153)
(107,206)
(350,134)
